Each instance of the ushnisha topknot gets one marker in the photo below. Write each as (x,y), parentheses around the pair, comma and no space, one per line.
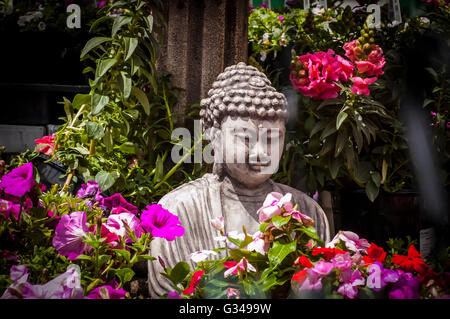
(242,90)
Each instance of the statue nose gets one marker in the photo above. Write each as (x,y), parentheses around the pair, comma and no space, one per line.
(258,154)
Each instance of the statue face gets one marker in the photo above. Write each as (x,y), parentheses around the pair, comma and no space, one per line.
(251,148)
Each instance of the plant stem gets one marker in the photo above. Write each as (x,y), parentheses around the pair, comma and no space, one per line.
(92,148)
(67,183)
(174,169)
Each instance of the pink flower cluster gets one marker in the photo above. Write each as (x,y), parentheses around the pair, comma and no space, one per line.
(72,229)
(315,75)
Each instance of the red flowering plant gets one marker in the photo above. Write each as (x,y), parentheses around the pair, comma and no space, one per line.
(287,259)
(344,121)
(58,245)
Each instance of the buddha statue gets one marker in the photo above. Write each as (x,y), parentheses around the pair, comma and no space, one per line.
(243,116)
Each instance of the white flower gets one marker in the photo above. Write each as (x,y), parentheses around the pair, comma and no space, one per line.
(41,26)
(263,56)
(201,255)
(217,223)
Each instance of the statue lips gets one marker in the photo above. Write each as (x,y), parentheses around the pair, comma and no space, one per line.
(257,167)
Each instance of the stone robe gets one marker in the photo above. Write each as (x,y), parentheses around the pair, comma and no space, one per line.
(199,201)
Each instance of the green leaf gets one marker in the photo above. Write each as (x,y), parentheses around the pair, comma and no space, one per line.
(103,66)
(149,22)
(98,103)
(92,43)
(125,254)
(108,140)
(81,99)
(340,119)
(218,283)
(118,23)
(279,221)
(142,98)
(130,46)
(145,257)
(128,148)
(102,259)
(279,251)
(125,85)
(94,130)
(376,178)
(68,108)
(125,274)
(179,272)
(334,166)
(310,231)
(372,190)
(80,150)
(159,170)
(84,257)
(251,256)
(362,172)
(341,141)
(329,129)
(105,180)
(428,101)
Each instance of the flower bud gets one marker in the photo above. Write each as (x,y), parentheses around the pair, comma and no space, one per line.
(302,73)
(372,40)
(366,47)
(217,223)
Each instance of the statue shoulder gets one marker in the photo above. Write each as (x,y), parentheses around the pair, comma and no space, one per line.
(188,192)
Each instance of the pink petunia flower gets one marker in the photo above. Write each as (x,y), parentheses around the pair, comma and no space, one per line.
(361,86)
(19,276)
(65,286)
(174,295)
(196,277)
(274,205)
(161,223)
(19,181)
(116,224)
(258,244)
(301,218)
(69,235)
(8,208)
(116,200)
(107,292)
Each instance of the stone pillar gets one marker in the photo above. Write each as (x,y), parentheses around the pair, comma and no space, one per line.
(202,38)
(326,202)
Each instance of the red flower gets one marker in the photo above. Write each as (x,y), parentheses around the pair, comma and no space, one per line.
(374,253)
(229,264)
(328,253)
(412,262)
(303,261)
(299,276)
(194,282)
(46,144)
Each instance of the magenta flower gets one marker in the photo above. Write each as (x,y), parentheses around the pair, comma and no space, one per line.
(107,292)
(361,86)
(274,205)
(90,190)
(342,261)
(19,181)
(322,268)
(349,288)
(174,295)
(65,286)
(116,200)
(116,224)
(313,281)
(318,73)
(406,287)
(19,276)
(69,235)
(301,218)
(231,292)
(8,208)
(161,223)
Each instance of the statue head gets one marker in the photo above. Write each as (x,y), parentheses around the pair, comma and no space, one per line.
(245,117)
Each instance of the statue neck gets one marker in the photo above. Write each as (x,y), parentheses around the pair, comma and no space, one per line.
(234,188)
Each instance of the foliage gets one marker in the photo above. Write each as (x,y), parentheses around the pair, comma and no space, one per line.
(287,259)
(119,134)
(353,140)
